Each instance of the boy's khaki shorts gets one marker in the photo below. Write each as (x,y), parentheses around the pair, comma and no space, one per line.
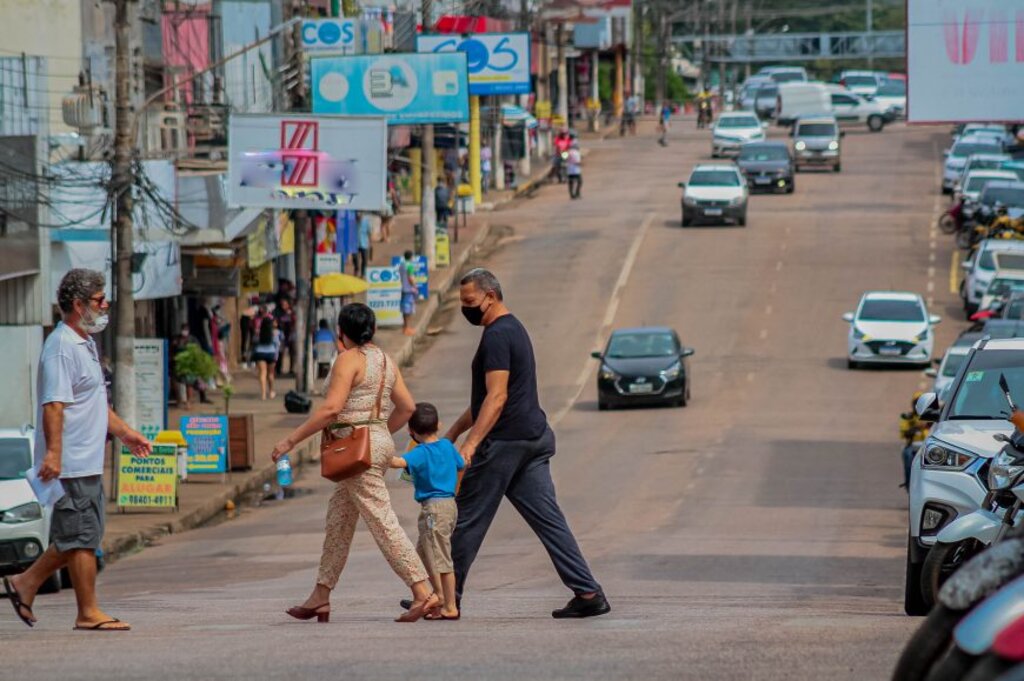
(436,523)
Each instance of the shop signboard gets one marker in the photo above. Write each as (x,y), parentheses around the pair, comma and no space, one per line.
(498,63)
(330,36)
(148,481)
(443,249)
(307,162)
(150,385)
(328,263)
(384,296)
(405,89)
(207,438)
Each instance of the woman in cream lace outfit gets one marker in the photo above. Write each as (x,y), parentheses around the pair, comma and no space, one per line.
(351,398)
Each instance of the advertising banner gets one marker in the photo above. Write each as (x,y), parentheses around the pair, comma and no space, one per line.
(442,249)
(207,438)
(307,162)
(384,296)
(149,481)
(150,386)
(404,88)
(330,36)
(498,63)
(963,59)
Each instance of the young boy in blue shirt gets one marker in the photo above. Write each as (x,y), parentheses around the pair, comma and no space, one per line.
(434,465)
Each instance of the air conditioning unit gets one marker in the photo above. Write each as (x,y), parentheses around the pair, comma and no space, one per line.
(165,132)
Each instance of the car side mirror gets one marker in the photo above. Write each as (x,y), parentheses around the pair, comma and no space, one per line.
(848,317)
(792,132)
(927,407)
(687,352)
(597,354)
(945,152)
(966,265)
(842,133)
(681,185)
(931,372)
(764,125)
(934,319)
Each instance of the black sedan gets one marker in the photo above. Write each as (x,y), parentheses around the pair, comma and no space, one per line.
(645,365)
(767,166)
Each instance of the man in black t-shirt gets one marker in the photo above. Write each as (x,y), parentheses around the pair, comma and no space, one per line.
(509,447)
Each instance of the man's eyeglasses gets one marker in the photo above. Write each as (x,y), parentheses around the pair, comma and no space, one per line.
(98,299)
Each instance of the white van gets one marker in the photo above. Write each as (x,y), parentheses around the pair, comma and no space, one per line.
(801,99)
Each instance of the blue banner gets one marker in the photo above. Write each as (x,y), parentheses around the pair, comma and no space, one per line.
(406,89)
(498,63)
(207,438)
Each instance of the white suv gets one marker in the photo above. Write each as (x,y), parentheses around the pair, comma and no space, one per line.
(715,192)
(981,268)
(949,476)
(24,523)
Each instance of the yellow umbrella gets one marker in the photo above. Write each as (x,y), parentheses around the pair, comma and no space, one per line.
(335,284)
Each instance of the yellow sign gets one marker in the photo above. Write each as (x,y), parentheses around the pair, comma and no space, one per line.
(557,120)
(442,250)
(258,279)
(542,109)
(593,104)
(148,481)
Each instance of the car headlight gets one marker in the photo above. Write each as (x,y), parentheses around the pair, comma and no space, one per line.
(673,372)
(607,374)
(1004,470)
(860,335)
(945,457)
(689,201)
(921,337)
(736,200)
(800,146)
(833,145)
(23,513)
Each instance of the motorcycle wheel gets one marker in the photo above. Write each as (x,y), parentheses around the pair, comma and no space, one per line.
(953,667)
(942,561)
(927,644)
(988,667)
(946,224)
(963,239)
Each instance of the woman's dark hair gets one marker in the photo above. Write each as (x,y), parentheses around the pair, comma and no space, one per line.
(358,323)
(266,331)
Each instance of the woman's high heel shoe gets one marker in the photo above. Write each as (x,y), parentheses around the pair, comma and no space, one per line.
(322,613)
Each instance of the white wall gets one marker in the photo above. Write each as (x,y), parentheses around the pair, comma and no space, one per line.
(21,346)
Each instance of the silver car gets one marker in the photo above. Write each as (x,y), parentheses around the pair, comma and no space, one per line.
(816,141)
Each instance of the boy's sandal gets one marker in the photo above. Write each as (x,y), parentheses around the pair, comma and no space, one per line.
(106,625)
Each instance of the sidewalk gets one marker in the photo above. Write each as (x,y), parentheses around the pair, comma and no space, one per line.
(205,497)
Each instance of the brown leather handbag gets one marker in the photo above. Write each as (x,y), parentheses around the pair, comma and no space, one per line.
(347,457)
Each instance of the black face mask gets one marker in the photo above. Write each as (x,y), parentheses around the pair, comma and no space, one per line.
(473,315)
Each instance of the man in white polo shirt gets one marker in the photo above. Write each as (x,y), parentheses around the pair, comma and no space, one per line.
(73,420)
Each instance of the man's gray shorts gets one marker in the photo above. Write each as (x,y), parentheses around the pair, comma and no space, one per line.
(78,517)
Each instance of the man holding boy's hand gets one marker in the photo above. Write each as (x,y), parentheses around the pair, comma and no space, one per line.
(509,447)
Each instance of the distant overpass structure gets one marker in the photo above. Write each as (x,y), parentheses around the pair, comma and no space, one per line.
(796,47)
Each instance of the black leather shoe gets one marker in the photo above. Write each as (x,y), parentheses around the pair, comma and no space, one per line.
(583,607)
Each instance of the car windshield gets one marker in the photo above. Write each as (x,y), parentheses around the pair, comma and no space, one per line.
(816,130)
(1019,170)
(893,88)
(714,178)
(979,394)
(1015,310)
(952,363)
(965,149)
(1008,196)
(860,81)
(635,345)
(984,164)
(768,91)
(787,76)
(15,457)
(738,122)
(891,311)
(976,184)
(756,153)
(1001,286)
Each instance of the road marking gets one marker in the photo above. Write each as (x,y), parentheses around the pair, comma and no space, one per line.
(609,316)
(778,266)
(771,289)
(931,257)
(954,269)
(768,309)
(783,245)
(764,333)
(931,272)
(750,376)
(788,229)
(931,287)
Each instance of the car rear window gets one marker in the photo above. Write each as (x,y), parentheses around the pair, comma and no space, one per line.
(891,311)
(714,178)
(15,457)
(768,91)
(965,149)
(816,130)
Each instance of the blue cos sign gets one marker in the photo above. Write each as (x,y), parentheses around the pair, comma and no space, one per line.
(498,63)
(329,36)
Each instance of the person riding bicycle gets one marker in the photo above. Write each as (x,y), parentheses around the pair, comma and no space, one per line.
(703,108)
(913,431)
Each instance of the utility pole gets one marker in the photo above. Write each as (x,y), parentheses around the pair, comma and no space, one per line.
(870,19)
(428,227)
(122,181)
(563,74)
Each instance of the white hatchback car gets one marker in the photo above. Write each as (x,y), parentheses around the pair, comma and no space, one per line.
(24,523)
(974,181)
(890,328)
(956,157)
(979,270)
(733,130)
(715,192)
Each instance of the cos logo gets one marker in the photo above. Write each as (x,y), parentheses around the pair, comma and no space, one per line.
(478,57)
(382,276)
(328,33)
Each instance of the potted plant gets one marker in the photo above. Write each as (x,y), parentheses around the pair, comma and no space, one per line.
(193,364)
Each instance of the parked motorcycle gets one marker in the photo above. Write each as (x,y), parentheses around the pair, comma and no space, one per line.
(951,220)
(704,113)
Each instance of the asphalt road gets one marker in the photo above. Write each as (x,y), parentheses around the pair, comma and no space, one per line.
(758,533)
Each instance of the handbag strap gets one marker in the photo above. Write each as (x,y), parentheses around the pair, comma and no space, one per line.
(373,420)
(383,380)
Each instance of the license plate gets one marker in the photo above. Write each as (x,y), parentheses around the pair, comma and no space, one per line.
(762,180)
(890,352)
(712,211)
(641,388)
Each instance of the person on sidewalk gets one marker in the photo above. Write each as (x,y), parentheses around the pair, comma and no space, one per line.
(266,353)
(574,169)
(361,258)
(74,421)
(442,204)
(509,447)
(365,388)
(434,465)
(407,274)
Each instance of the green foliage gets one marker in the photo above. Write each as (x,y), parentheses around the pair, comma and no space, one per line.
(192,363)
(227,391)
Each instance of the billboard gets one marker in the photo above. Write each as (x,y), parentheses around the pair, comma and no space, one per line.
(307,162)
(406,89)
(498,63)
(965,60)
(384,296)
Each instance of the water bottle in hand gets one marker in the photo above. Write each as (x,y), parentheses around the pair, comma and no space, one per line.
(284,471)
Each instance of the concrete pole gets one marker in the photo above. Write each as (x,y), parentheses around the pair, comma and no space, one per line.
(563,75)
(870,27)
(497,162)
(122,181)
(620,81)
(428,227)
(474,149)
(543,88)
(595,90)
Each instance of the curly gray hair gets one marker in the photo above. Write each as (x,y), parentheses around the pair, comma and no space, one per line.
(78,284)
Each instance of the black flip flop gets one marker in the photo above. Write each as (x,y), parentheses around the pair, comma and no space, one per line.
(15,599)
(102,626)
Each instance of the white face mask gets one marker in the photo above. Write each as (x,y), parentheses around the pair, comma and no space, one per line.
(94,323)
